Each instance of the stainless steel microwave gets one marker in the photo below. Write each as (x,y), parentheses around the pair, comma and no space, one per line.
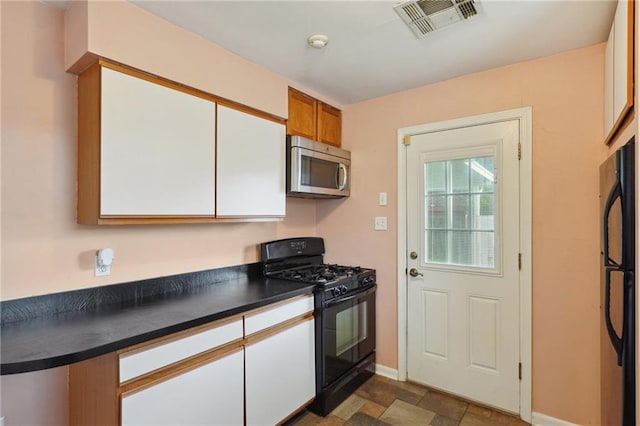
(317,170)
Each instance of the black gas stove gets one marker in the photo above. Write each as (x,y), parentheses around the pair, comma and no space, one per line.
(344,315)
(300,259)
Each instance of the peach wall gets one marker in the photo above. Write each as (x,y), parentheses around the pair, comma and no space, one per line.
(566,93)
(43,250)
(120,31)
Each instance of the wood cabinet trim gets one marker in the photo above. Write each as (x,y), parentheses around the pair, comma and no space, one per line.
(177,368)
(88,145)
(624,118)
(92,396)
(292,415)
(275,329)
(185,365)
(141,347)
(276,305)
(152,220)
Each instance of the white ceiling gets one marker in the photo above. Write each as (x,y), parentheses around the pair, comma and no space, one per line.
(371,52)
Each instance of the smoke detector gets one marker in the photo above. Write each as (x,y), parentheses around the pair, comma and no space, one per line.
(318,41)
(426,16)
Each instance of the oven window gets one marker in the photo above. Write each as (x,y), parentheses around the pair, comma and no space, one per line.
(351,328)
(349,334)
(319,173)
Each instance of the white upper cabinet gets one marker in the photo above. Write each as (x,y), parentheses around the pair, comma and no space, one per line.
(157,149)
(618,71)
(251,165)
(154,151)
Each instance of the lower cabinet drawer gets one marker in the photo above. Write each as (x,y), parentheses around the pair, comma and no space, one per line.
(152,357)
(273,315)
(211,394)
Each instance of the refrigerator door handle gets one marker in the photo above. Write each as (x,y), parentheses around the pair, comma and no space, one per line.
(614,194)
(616,341)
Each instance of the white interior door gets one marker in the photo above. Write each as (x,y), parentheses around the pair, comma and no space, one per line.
(463,248)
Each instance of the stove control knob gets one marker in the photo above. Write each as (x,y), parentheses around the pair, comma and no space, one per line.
(343,289)
(336,292)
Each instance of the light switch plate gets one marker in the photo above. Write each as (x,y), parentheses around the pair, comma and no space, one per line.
(380,223)
(382,199)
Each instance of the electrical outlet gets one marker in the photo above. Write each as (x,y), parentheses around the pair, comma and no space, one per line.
(382,199)
(380,223)
(102,270)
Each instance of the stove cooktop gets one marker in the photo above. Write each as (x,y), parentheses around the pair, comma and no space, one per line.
(322,274)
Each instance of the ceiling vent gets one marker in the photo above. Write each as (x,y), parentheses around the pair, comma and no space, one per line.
(426,16)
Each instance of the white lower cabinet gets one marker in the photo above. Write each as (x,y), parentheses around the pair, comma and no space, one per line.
(212,394)
(254,369)
(280,374)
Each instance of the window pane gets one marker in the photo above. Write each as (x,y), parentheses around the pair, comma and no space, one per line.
(436,212)
(482,174)
(484,249)
(483,207)
(436,247)
(458,175)
(460,248)
(459,211)
(434,177)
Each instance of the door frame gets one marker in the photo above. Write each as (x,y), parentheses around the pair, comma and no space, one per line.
(523,115)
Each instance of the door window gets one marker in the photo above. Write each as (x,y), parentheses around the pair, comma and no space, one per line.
(460,212)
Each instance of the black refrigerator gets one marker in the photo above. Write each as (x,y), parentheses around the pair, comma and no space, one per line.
(618,317)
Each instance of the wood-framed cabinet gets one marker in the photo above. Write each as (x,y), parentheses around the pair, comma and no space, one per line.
(154,151)
(313,119)
(155,143)
(619,70)
(249,176)
(261,363)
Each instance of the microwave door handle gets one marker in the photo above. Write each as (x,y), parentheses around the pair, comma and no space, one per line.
(343,168)
(616,341)
(616,192)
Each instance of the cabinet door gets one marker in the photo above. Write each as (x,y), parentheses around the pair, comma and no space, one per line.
(329,124)
(211,394)
(157,149)
(621,59)
(302,115)
(280,374)
(608,83)
(251,165)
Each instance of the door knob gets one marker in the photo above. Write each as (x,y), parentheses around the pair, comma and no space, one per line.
(414,272)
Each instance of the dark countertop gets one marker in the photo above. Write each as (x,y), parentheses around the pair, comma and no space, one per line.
(62,338)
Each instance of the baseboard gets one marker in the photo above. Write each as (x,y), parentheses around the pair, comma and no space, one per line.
(382,370)
(538,419)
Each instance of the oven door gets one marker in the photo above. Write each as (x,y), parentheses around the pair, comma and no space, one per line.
(317,173)
(349,332)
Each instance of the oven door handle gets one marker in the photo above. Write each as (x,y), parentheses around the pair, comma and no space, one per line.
(357,295)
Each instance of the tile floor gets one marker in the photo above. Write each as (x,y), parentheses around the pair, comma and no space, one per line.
(381,401)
